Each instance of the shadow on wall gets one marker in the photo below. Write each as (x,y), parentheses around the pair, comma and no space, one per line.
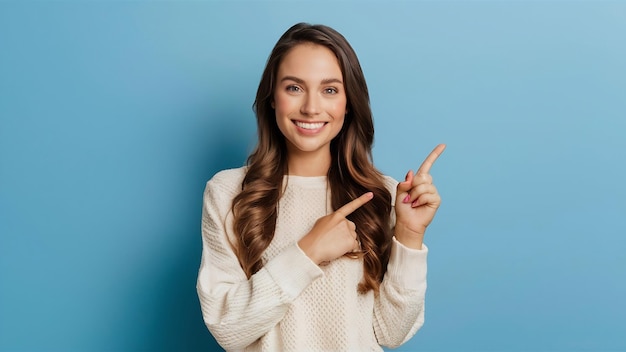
(177,323)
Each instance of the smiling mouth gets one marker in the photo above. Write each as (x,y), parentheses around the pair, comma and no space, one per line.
(309,125)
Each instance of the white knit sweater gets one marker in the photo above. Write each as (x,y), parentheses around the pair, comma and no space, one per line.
(292,304)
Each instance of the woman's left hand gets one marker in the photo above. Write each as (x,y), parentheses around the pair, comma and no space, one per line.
(417,201)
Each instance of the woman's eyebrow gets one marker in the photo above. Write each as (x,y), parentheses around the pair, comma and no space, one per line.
(292,78)
(331,80)
(301,81)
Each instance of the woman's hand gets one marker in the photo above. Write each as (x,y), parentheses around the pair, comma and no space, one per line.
(333,235)
(417,201)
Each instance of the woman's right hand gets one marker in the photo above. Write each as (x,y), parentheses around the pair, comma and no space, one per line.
(333,235)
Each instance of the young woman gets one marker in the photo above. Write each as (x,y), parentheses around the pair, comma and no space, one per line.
(309,247)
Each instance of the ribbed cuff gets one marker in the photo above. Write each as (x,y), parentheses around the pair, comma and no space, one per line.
(293,271)
(407,266)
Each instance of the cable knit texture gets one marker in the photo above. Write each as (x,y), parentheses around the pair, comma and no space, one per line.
(292,304)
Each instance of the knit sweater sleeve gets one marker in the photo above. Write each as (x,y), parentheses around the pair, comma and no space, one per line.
(238,310)
(399,306)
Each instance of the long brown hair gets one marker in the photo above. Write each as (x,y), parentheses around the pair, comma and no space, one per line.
(351,173)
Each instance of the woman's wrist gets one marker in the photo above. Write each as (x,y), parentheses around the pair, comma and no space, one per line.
(408,237)
(305,247)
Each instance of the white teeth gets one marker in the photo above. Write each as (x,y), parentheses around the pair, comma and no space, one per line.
(309,126)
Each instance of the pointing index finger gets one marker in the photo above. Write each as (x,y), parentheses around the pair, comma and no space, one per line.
(350,207)
(430,159)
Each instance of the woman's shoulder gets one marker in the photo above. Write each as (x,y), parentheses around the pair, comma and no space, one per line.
(390,182)
(391,185)
(227,182)
(235,175)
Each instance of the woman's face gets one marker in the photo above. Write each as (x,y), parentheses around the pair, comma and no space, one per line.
(309,100)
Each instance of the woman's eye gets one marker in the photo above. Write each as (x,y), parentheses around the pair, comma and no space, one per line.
(293,88)
(330,91)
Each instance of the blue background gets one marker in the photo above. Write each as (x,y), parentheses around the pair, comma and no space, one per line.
(113,115)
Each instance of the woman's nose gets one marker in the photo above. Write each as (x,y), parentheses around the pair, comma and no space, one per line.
(311,105)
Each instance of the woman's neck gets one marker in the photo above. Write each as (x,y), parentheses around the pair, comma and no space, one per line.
(309,164)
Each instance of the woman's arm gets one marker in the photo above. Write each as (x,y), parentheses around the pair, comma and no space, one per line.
(238,310)
(399,306)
